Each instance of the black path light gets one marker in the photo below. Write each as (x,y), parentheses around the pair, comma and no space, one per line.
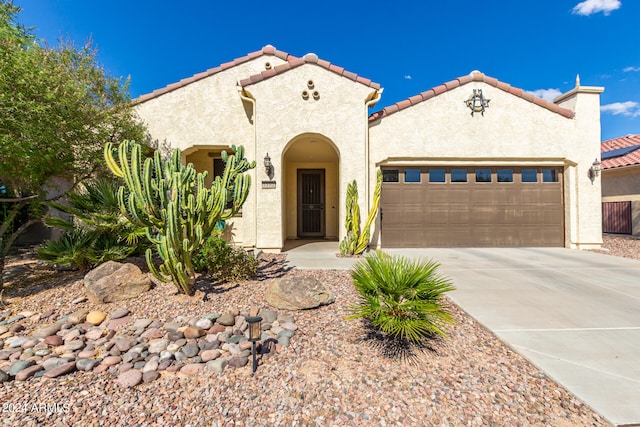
(255,331)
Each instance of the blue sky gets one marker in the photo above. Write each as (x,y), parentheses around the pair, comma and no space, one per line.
(406,46)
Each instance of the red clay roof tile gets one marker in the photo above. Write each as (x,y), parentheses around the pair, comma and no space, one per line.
(452,84)
(475,76)
(628,159)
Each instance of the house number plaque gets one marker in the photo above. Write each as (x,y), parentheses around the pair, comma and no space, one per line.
(268,184)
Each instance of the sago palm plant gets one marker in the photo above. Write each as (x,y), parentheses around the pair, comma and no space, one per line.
(401,298)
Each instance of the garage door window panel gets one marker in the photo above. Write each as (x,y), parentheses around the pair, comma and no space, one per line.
(550,175)
(437,176)
(458,175)
(505,175)
(412,176)
(529,175)
(483,175)
(390,175)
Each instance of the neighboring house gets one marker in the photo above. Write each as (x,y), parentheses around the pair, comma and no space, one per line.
(458,170)
(621,185)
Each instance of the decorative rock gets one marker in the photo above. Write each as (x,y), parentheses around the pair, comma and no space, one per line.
(166,356)
(227,319)
(26,373)
(130,356)
(194,332)
(116,323)
(216,329)
(283,341)
(71,335)
(18,327)
(204,323)
(141,323)
(179,355)
(123,367)
(290,326)
(86,354)
(120,313)
(175,336)
(4,329)
(158,346)
(86,364)
(172,326)
(217,365)
(73,345)
(238,362)
(14,319)
(152,333)
(61,370)
(4,377)
(113,281)
(53,340)
(191,349)
(164,365)
(297,293)
(19,366)
(79,300)
(124,344)
(53,362)
(17,341)
(78,316)
(151,365)
(130,378)
(94,333)
(96,317)
(30,343)
(111,360)
(192,368)
(245,345)
(208,355)
(150,376)
(42,352)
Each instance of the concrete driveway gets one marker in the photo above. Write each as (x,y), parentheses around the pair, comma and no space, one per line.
(574,314)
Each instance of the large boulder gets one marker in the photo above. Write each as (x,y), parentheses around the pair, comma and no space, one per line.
(114,281)
(297,293)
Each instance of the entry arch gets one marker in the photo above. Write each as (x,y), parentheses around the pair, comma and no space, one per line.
(311,163)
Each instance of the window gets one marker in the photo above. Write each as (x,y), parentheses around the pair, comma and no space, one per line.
(436,175)
(529,175)
(505,175)
(458,175)
(550,175)
(412,175)
(483,175)
(390,175)
(218,167)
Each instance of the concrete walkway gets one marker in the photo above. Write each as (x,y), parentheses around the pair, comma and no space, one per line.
(574,314)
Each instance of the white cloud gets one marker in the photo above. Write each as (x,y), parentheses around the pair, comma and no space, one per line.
(407,77)
(589,7)
(627,109)
(630,69)
(546,94)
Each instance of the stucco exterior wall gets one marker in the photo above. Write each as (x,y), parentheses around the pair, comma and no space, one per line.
(282,114)
(206,112)
(512,131)
(621,184)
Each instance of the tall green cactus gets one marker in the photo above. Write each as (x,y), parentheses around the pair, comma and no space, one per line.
(356,241)
(171,201)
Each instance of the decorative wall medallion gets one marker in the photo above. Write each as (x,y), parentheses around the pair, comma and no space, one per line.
(477,102)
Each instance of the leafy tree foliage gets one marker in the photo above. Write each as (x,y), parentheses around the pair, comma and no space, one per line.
(58,107)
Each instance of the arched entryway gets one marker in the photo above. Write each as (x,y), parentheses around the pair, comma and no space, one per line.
(311,165)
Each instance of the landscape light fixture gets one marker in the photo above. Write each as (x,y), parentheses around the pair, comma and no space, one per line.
(594,170)
(255,331)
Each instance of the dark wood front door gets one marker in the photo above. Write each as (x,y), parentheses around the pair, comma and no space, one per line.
(311,198)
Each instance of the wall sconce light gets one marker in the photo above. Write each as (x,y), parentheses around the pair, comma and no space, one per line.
(477,102)
(255,331)
(594,170)
(268,166)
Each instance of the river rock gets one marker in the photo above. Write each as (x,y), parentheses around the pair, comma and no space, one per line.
(130,378)
(26,373)
(78,316)
(114,281)
(19,366)
(227,319)
(61,370)
(96,317)
(297,293)
(150,376)
(86,364)
(192,368)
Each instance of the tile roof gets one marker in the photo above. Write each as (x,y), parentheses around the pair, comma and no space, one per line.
(309,58)
(629,158)
(267,50)
(475,76)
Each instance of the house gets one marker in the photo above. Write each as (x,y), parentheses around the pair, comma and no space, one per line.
(472,162)
(621,185)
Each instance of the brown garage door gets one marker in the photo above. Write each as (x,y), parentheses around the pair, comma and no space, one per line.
(472,207)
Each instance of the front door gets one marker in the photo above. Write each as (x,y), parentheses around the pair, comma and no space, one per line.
(311,198)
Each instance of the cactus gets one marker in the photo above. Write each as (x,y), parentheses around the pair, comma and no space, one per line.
(170,200)
(356,240)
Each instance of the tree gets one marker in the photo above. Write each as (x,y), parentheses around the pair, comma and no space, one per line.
(58,107)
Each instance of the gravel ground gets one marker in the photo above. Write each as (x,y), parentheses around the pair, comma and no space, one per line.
(335,373)
(621,245)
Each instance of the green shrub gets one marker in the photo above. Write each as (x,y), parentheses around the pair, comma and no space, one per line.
(401,298)
(218,259)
